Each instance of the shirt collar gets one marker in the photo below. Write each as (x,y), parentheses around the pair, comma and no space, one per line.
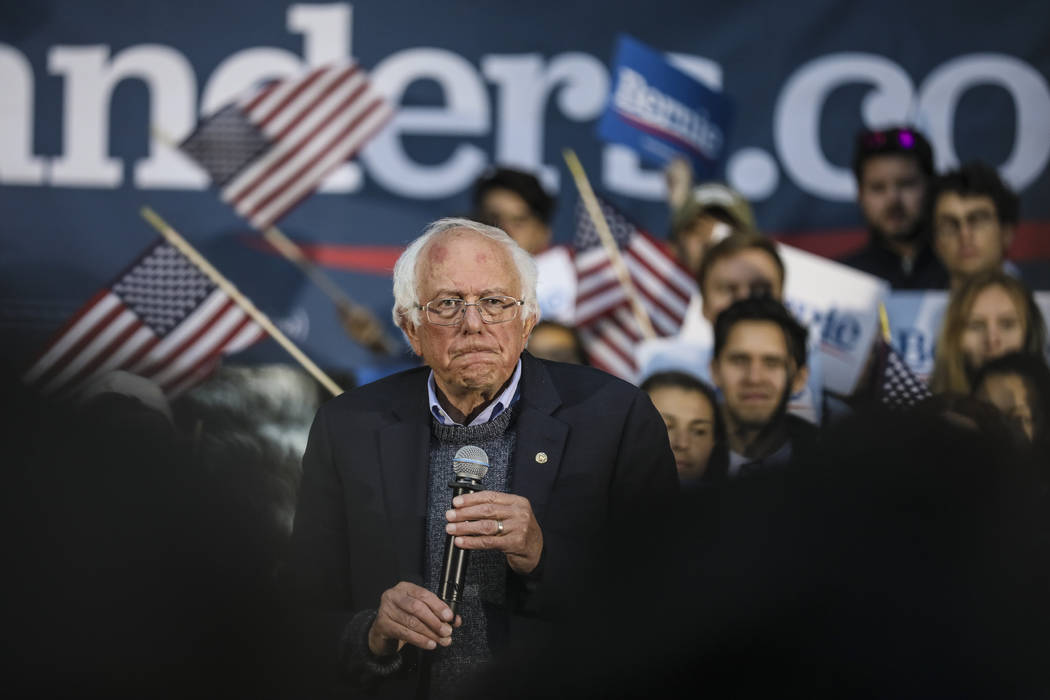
(502,402)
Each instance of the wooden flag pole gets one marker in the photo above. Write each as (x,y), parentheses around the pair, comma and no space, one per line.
(361,323)
(884,324)
(180,243)
(594,210)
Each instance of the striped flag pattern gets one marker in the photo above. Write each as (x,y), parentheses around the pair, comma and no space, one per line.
(162,319)
(271,149)
(604,318)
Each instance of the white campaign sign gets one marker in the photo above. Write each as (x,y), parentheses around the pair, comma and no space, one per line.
(556,285)
(840,307)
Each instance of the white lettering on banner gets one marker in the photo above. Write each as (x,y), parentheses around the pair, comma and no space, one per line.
(797,115)
(525,84)
(90,78)
(636,100)
(622,170)
(18,165)
(943,87)
(326,31)
(466,113)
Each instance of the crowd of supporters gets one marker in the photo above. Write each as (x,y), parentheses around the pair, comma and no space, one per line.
(824,544)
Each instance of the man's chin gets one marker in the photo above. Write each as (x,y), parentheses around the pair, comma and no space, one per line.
(752,420)
(899,235)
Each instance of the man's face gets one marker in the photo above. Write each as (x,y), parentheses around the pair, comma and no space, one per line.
(692,241)
(747,273)
(968,235)
(994,327)
(510,212)
(890,194)
(755,373)
(472,357)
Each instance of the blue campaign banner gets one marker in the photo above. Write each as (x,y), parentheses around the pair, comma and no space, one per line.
(663,112)
(95,93)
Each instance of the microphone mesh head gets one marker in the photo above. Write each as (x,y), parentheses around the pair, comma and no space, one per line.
(470,462)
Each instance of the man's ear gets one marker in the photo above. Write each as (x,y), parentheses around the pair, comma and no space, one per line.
(529,324)
(412,332)
(798,382)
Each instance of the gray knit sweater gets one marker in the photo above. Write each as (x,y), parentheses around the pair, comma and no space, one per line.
(483,608)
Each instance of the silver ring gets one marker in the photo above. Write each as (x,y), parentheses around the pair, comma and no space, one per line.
(499,527)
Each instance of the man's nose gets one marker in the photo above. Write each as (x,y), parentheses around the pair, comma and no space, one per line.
(679,441)
(967,235)
(472,318)
(754,372)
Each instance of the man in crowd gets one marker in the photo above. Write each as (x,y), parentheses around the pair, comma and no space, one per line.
(516,202)
(574,455)
(759,361)
(745,264)
(741,266)
(893,168)
(710,212)
(973,214)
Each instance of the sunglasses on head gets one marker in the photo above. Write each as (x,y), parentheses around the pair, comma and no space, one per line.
(889,139)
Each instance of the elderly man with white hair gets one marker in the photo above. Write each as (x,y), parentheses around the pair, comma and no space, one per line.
(573,455)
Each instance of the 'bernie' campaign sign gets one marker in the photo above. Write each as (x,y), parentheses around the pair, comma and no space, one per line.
(662,112)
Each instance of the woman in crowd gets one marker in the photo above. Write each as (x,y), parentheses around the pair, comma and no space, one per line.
(694,425)
(991,315)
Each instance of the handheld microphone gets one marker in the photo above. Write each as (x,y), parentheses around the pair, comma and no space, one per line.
(469,466)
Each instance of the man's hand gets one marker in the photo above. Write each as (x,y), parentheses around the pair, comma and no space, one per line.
(476,520)
(410,614)
(679,178)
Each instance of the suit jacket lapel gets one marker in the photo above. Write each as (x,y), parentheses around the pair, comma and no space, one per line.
(404,454)
(541,437)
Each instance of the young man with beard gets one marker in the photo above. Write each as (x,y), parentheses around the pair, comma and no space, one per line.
(759,361)
(893,168)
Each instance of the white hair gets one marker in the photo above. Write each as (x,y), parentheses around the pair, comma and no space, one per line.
(406,269)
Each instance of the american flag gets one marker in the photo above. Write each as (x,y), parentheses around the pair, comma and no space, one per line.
(604,318)
(269,150)
(896,386)
(162,319)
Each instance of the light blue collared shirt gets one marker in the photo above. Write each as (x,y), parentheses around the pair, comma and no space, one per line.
(502,402)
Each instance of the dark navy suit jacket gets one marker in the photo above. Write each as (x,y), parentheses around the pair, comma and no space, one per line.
(592,456)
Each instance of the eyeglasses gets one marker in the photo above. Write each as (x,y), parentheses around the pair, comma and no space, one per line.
(450,311)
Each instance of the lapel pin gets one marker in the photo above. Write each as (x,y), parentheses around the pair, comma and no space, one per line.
(541,457)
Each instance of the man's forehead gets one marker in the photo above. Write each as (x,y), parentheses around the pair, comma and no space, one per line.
(889,165)
(463,242)
(756,336)
(461,257)
(744,265)
(965,202)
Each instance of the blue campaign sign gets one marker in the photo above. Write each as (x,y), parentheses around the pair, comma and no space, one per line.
(662,112)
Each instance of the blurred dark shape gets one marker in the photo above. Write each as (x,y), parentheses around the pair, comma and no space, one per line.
(139,568)
(551,340)
(909,560)
(1018,385)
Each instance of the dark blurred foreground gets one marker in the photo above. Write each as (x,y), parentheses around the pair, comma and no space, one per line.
(910,561)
